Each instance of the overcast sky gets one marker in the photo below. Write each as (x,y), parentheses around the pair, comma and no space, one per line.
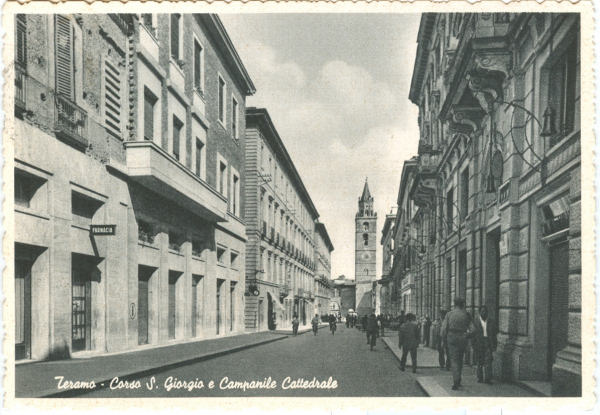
(336,87)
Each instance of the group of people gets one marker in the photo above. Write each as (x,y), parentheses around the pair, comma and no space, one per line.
(457,330)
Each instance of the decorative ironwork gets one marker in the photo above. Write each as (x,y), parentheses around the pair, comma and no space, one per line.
(70,120)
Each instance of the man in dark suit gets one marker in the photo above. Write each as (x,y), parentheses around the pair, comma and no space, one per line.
(372,330)
(484,344)
(408,340)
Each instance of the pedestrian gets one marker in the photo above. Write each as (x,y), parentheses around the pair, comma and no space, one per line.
(372,330)
(484,344)
(427,330)
(332,324)
(380,322)
(442,347)
(315,324)
(365,318)
(408,340)
(347,320)
(295,324)
(456,329)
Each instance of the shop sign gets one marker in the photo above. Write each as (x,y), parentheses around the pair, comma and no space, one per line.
(103,229)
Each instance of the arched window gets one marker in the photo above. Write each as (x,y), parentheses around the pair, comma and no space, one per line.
(366,226)
(366,239)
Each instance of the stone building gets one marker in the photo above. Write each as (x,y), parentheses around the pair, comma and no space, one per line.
(280,218)
(386,281)
(128,180)
(344,295)
(496,184)
(365,244)
(323,286)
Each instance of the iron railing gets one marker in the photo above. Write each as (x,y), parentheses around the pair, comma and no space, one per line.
(70,120)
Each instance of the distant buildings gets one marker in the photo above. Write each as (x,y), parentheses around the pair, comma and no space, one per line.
(489,210)
(344,295)
(323,284)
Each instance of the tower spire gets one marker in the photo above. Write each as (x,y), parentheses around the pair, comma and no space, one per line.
(366,194)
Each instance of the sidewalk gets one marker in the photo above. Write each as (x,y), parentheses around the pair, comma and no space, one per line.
(426,357)
(302,329)
(439,384)
(36,379)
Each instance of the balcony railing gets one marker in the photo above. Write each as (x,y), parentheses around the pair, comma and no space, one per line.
(20,88)
(70,121)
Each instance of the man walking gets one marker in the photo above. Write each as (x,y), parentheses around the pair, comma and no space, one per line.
(408,340)
(455,330)
(315,324)
(295,324)
(484,344)
(372,330)
(440,344)
(426,330)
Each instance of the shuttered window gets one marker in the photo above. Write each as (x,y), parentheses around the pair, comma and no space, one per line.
(21,41)
(112,98)
(64,56)
(175,22)
(149,102)
(197,66)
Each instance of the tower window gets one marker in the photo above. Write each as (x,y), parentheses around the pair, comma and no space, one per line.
(366,226)
(366,239)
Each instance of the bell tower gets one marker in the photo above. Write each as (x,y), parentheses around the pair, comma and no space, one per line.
(365,251)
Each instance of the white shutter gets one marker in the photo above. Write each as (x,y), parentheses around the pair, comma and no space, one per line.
(112,98)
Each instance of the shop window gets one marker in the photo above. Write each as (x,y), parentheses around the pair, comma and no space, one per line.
(556,216)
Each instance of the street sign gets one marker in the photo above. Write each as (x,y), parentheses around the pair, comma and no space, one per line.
(103,229)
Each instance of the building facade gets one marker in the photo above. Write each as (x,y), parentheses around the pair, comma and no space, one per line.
(280,218)
(323,285)
(128,175)
(365,244)
(344,295)
(496,184)
(386,281)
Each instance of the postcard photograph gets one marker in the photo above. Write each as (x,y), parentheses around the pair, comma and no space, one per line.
(207,204)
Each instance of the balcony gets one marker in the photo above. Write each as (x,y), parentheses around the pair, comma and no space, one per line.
(155,169)
(176,75)
(70,121)
(20,89)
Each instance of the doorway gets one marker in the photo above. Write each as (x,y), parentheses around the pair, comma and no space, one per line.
(219,313)
(83,272)
(22,309)
(492,274)
(462,274)
(559,299)
(270,320)
(173,278)
(144,278)
(196,280)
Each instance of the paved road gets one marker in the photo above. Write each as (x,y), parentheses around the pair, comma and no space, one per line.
(344,357)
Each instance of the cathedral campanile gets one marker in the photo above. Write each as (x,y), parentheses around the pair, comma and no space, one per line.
(365,251)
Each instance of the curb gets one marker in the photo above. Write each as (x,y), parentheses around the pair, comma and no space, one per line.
(126,375)
(431,388)
(392,347)
(300,331)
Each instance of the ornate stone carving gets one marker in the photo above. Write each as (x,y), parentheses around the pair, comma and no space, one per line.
(487,76)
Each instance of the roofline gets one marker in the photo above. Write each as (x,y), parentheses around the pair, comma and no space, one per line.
(323,232)
(386,225)
(423,38)
(217,29)
(260,117)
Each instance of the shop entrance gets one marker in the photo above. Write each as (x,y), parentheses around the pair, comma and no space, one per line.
(559,299)
(144,277)
(270,319)
(22,309)
(83,272)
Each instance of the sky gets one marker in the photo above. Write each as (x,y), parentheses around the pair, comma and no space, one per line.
(336,87)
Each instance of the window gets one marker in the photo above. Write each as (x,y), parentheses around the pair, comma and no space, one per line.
(199,155)
(234,118)
(149,106)
(64,56)
(222,178)
(112,98)
(149,20)
(83,208)
(562,93)
(198,66)
(176,38)
(197,247)
(221,98)
(26,187)
(464,193)
(450,209)
(177,127)
(235,195)
(366,226)
(234,259)
(21,41)
(221,254)
(366,239)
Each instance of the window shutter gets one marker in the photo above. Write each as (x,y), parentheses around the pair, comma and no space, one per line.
(149,102)
(175,36)
(64,56)
(21,41)
(112,98)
